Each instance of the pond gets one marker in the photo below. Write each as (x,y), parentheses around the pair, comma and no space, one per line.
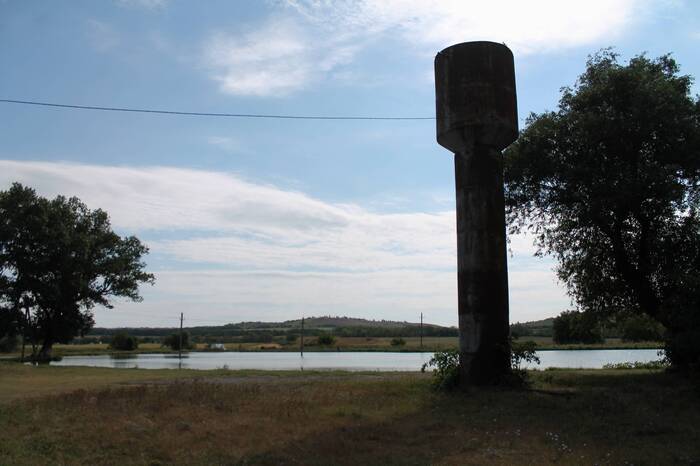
(350,361)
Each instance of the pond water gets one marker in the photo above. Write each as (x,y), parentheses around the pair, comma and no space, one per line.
(350,361)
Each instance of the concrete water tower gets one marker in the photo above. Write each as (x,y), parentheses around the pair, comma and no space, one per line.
(477,118)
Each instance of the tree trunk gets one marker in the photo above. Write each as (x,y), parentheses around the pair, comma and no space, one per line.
(637,278)
(24,344)
(45,352)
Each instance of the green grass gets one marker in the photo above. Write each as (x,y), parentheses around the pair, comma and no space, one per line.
(572,417)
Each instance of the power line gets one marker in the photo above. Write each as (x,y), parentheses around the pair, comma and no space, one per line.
(208,114)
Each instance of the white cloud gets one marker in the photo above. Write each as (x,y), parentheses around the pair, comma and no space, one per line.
(310,39)
(281,251)
(276,59)
(102,36)
(161,198)
(527,27)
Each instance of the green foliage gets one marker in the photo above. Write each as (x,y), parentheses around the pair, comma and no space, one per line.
(640,327)
(10,319)
(173,341)
(445,366)
(576,327)
(124,342)
(398,342)
(58,260)
(519,330)
(652,365)
(537,328)
(520,353)
(612,191)
(291,337)
(524,352)
(9,343)
(326,339)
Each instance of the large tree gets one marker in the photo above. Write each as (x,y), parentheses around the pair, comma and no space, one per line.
(58,260)
(609,184)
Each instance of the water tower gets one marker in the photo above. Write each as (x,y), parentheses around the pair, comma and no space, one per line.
(476,119)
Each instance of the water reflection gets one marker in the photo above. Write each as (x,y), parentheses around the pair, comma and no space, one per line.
(122,356)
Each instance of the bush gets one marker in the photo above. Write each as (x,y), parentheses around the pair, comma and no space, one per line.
(122,341)
(291,337)
(398,342)
(446,369)
(446,366)
(523,352)
(651,365)
(326,339)
(520,353)
(173,341)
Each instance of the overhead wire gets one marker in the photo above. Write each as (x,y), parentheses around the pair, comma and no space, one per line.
(208,114)
(208,321)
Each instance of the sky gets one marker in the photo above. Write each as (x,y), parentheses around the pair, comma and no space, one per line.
(265,219)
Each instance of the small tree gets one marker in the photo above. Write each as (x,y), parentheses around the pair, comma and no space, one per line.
(173,341)
(326,339)
(122,341)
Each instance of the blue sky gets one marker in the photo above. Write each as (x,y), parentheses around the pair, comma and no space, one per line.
(272,219)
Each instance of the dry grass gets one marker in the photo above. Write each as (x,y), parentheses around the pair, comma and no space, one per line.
(19,381)
(22,381)
(606,417)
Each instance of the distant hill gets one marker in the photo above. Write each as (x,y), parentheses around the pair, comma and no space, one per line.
(535,328)
(265,331)
(339,326)
(328,321)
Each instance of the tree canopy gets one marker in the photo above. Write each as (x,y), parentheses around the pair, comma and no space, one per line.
(58,260)
(576,327)
(609,185)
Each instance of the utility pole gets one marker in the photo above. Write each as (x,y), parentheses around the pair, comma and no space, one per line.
(421,331)
(179,353)
(302,337)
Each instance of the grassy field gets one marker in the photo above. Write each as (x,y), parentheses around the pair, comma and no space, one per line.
(576,417)
(346,344)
